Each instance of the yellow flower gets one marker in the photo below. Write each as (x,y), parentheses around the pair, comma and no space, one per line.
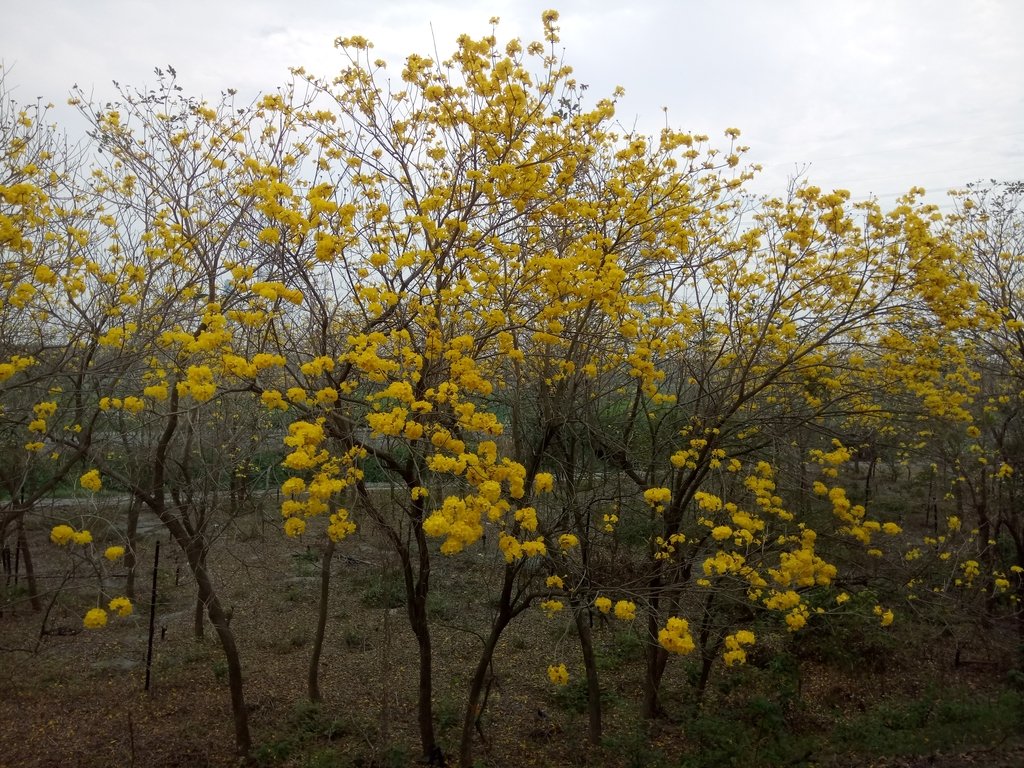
(603,604)
(134,404)
(62,534)
(271,398)
(327,395)
(656,497)
(269,235)
(675,636)
(543,482)
(156,391)
(82,538)
(885,615)
(95,618)
(122,606)
(625,610)
(551,607)
(534,548)
(796,619)
(721,532)
(294,526)
(114,553)
(555,582)
(91,481)
(558,675)
(567,541)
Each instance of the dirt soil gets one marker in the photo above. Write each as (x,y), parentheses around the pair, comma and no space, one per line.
(75,698)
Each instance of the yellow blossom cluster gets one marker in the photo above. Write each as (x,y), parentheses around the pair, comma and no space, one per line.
(735,653)
(675,636)
(63,535)
(91,481)
(328,478)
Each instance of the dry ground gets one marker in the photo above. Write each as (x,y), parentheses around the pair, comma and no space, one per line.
(78,699)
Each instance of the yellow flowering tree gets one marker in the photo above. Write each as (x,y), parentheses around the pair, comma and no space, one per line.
(732,339)
(168,411)
(980,440)
(425,222)
(587,354)
(41,199)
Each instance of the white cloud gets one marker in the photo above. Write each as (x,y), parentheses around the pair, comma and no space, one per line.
(875,95)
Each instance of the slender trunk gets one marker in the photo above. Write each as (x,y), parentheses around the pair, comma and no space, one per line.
(194,545)
(506,612)
(130,557)
(30,574)
(582,618)
(417,586)
(194,552)
(655,657)
(706,663)
(219,619)
(321,622)
(199,615)
(425,704)
(198,618)
(476,687)
(708,650)
(868,478)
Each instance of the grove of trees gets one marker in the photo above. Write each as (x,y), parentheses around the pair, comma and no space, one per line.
(586,357)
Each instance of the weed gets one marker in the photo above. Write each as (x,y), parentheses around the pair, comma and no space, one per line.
(932,722)
(324,758)
(395,756)
(285,645)
(633,748)
(441,607)
(355,641)
(573,697)
(447,715)
(220,671)
(274,752)
(306,563)
(383,593)
(623,647)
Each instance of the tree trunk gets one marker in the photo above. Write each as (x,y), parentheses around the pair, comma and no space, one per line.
(506,612)
(706,662)
(416,589)
(194,550)
(30,574)
(313,683)
(656,658)
(476,688)
(219,619)
(872,464)
(581,616)
(199,615)
(425,703)
(198,618)
(130,557)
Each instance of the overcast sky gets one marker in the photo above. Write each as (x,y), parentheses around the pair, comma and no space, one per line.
(874,96)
